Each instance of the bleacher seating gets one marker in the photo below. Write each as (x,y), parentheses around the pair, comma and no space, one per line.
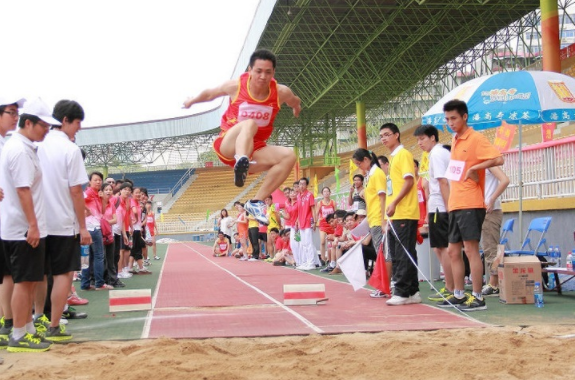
(157,182)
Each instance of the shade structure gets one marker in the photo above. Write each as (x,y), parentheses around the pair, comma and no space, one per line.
(519,97)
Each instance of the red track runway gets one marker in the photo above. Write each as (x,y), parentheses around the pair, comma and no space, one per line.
(201,296)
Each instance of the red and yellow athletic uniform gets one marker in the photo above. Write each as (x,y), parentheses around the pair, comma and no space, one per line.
(244,107)
(324,211)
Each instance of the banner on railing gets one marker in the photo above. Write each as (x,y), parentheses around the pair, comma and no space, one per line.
(504,136)
(547,131)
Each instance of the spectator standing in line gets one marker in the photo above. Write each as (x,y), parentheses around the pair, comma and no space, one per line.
(23,220)
(495,184)
(109,217)
(275,222)
(93,223)
(306,226)
(437,200)
(375,200)
(290,215)
(471,154)
(402,209)
(63,175)
(8,121)
(324,207)
(152,229)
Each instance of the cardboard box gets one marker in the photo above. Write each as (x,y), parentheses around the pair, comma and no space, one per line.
(517,277)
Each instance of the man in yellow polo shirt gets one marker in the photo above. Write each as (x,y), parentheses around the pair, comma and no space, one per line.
(471,154)
(402,209)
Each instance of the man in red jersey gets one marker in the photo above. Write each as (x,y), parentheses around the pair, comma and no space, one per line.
(255,99)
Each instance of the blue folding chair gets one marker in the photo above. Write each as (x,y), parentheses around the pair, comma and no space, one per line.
(507,227)
(538,225)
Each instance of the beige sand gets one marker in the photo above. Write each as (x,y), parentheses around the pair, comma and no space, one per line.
(538,352)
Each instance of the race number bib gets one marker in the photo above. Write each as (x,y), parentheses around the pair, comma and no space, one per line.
(355,206)
(259,113)
(420,198)
(455,170)
(389,187)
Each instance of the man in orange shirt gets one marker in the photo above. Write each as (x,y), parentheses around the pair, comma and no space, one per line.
(471,154)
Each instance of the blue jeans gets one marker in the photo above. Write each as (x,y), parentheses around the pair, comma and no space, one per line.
(97,251)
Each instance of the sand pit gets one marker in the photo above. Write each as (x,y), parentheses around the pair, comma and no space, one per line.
(538,352)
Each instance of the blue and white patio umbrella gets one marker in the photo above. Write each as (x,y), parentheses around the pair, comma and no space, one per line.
(519,97)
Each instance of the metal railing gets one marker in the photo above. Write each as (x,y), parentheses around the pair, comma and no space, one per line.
(548,170)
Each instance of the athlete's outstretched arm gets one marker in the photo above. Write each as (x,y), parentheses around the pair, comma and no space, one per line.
(228,88)
(287,96)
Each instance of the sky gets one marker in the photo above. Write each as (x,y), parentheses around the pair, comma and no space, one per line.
(122,60)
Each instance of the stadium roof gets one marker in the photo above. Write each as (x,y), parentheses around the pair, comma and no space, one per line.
(333,53)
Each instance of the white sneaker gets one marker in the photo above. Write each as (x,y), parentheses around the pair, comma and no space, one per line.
(416,298)
(397,301)
(243,258)
(252,259)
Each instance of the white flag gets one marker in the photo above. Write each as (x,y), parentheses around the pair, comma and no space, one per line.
(361,229)
(351,264)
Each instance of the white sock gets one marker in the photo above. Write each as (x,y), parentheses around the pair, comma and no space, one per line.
(332,264)
(479,296)
(18,332)
(459,293)
(30,328)
(36,316)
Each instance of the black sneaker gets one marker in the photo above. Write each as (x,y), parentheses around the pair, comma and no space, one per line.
(327,269)
(473,304)
(71,313)
(241,171)
(452,301)
(119,284)
(489,290)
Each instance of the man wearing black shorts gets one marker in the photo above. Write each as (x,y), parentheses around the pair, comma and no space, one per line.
(23,220)
(8,119)
(437,198)
(63,176)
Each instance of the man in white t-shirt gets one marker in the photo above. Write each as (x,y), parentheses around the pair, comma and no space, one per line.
(495,184)
(64,174)
(23,220)
(8,119)
(438,218)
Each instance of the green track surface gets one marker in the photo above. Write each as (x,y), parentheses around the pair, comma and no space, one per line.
(103,325)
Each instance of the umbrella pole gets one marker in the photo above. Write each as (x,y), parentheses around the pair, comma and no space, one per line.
(520,159)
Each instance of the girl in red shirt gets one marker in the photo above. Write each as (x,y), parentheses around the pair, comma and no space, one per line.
(151,228)
(323,208)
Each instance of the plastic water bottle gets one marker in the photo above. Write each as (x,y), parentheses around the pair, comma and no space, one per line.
(538,294)
(85,258)
(569,261)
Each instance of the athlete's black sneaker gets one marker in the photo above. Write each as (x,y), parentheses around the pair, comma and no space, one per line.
(473,304)
(241,171)
(452,301)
